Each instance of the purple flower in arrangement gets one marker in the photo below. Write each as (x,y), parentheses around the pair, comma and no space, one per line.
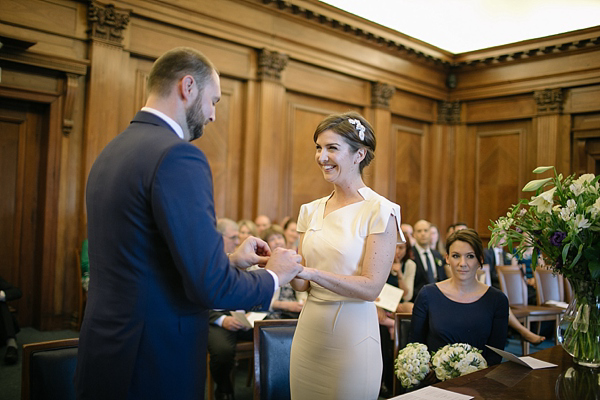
(557,238)
(519,230)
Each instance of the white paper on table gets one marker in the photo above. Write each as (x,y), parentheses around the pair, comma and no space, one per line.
(389,298)
(432,393)
(555,303)
(526,361)
(248,319)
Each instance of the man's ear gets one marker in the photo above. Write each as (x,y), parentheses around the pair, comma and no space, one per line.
(187,87)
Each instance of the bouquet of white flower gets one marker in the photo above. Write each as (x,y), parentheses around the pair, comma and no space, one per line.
(412,364)
(459,359)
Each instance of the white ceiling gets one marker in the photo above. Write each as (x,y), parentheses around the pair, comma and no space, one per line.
(464,25)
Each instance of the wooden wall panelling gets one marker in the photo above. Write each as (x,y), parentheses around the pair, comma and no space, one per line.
(412,106)
(383,165)
(500,108)
(222,145)
(323,83)
(410,168)
(271,130)
(582,99)
(500,164)
(585,137)
(305,179)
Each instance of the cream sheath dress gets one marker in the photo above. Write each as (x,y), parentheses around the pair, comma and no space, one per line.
(336,352)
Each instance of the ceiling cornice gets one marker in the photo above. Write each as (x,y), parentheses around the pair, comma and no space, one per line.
(318,13)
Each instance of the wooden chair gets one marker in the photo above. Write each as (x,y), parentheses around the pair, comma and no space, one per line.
(48,370)
(272,347)
(514,287)
(243,351)
(549,286)
(401,332)
(568,290)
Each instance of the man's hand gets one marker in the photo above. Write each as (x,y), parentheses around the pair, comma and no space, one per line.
(251,252)
(232,324)
(285,264)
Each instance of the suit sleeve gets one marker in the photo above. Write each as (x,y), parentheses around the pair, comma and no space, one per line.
(183,208)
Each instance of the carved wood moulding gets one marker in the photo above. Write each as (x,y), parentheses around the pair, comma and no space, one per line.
(549,101)
(537,48)
(449,112)
(381,94)
(106,22)
(270,65)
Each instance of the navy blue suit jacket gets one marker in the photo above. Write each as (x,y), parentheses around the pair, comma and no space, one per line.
(157,265)
(421,274)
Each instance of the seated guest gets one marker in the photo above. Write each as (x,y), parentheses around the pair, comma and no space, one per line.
(461,309)
(402,275)
(262,222)
(247,228)
(430,264)
(291,234)
(8,323)
(224,331)
(495,256)
(407,229)
(436,242)
(284,304)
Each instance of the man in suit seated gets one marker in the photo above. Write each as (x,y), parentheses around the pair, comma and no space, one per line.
(430,264)
(493,257)
(8,324)
(225,331)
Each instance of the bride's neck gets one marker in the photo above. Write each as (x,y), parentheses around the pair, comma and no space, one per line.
(348,192)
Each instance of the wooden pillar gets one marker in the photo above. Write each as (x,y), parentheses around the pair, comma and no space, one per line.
(271,195)
(548,125)
(106,24)
(381,175)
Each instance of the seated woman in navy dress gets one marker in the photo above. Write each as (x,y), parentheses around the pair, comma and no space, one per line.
(461,309)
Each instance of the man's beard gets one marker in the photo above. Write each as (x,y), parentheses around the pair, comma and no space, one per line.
(195,119)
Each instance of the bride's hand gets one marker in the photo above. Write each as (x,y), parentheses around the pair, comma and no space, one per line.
(306,273)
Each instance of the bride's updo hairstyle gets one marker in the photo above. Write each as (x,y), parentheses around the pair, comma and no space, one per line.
(355,130)
(469,236)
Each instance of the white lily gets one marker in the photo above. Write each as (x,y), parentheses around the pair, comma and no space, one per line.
(544,201)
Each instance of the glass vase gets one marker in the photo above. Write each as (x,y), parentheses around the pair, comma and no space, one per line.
(579,328)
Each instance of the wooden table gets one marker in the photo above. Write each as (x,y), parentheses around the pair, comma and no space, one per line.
(512,381)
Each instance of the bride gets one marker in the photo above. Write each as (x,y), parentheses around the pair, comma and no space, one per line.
(347,242)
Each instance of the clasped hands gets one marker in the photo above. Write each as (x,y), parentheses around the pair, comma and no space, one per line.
(285,263)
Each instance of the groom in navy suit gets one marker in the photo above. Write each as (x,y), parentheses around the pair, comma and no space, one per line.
(157,263)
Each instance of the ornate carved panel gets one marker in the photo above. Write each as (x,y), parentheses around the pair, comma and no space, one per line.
(270,65)
(449,112)
(381,94)
(106,22)
(549,101)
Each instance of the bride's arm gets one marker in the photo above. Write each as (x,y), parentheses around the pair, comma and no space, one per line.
(379,255)
(300,285)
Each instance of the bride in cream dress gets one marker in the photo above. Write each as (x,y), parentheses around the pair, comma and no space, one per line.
(348,242)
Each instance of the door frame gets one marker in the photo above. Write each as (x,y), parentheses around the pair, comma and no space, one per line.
(45,260)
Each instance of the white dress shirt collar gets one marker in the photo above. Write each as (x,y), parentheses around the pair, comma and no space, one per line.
(174,125)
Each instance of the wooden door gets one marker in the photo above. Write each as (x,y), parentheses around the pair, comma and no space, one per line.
(21,128)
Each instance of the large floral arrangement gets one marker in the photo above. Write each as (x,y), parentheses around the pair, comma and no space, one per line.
(455,360)
(562,224)
(412,364)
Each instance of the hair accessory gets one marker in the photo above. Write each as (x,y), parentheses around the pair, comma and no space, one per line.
(359,127)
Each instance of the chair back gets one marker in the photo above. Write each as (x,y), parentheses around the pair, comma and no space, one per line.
(512,284)
(483,275)
(549,286)
(568,290)
(272,347)
(401,332)
(49,369)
